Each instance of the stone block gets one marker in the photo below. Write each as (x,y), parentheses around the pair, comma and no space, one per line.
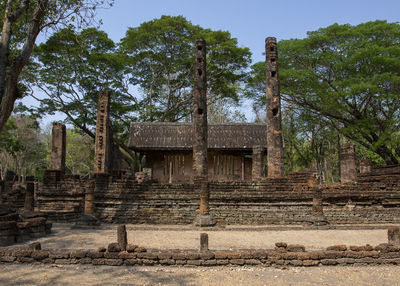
(329,261)
(167,262)
(130,262)
(295,248)
(40,254)
(122,236)
(112,255)
(393,235)
(22,253)
(114,247)
(203,242)
(35,246)
(193,262)
(207,255)
(192,255)
(85,260)
(237,261)
(78,253)
(114,262)
(7,258)
(131,247)
(310,262)
(95,254)
(99,261)
(340,247)
(62,261)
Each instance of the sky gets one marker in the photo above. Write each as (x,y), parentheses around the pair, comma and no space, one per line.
(249,21)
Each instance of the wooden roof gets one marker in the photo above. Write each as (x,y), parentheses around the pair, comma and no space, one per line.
(178,136)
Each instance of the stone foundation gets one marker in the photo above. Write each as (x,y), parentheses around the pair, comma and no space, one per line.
(374,199)
(282,255)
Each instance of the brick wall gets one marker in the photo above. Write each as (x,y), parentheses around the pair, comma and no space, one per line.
(375,198)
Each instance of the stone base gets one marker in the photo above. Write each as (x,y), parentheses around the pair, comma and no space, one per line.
(319,220)
(204,220)
(86,221)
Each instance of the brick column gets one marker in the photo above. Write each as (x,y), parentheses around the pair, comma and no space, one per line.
(29,196)
(365,166)
(58,147)
(257,161)
(274,121)
(200,142)
(348,171)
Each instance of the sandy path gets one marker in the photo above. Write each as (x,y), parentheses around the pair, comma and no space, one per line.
(170,238)
(25,274)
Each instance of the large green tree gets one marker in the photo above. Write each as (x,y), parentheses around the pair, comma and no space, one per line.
(350,76)
(21,22)
(70,70)
(161,55)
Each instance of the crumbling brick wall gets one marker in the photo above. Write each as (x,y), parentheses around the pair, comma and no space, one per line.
(375,198)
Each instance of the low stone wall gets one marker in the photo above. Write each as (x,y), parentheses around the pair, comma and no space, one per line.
(62,198)
(373,199)
(282,255)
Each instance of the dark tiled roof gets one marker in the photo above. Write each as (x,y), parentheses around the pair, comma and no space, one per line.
(178,136)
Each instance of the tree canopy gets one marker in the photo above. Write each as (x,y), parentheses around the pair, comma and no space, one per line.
(21,22)
(350,76)
(161,64)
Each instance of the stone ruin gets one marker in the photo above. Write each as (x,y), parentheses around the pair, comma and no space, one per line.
(249,195)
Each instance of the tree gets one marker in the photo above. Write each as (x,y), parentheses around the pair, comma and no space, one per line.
(22,21)
(161,65)
(80,153)
(24,150)
(350,77)
(71,68)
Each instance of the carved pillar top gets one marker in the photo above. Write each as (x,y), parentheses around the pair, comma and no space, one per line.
(101,162)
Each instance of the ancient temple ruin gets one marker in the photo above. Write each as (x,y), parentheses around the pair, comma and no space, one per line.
(216,170)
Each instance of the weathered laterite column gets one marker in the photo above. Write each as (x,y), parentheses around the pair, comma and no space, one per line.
(318,217)
(29,196)
(365,166)
(102,140)
(200,142)
(58,147)
(274,121)
(347,156)
(257,160)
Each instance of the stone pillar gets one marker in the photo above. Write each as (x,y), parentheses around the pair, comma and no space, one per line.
(318,217)
(58,147)
(394,235)
(200,142)
(348,171)
(365,166)
(29,195)
(274,121)
(200,166)
(203,242)
(122,237)
(102,140)
(257,160)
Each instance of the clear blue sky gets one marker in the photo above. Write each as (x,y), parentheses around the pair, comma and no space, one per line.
(250,21)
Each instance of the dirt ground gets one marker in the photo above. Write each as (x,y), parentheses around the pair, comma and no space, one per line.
(186,237)
(25,274)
